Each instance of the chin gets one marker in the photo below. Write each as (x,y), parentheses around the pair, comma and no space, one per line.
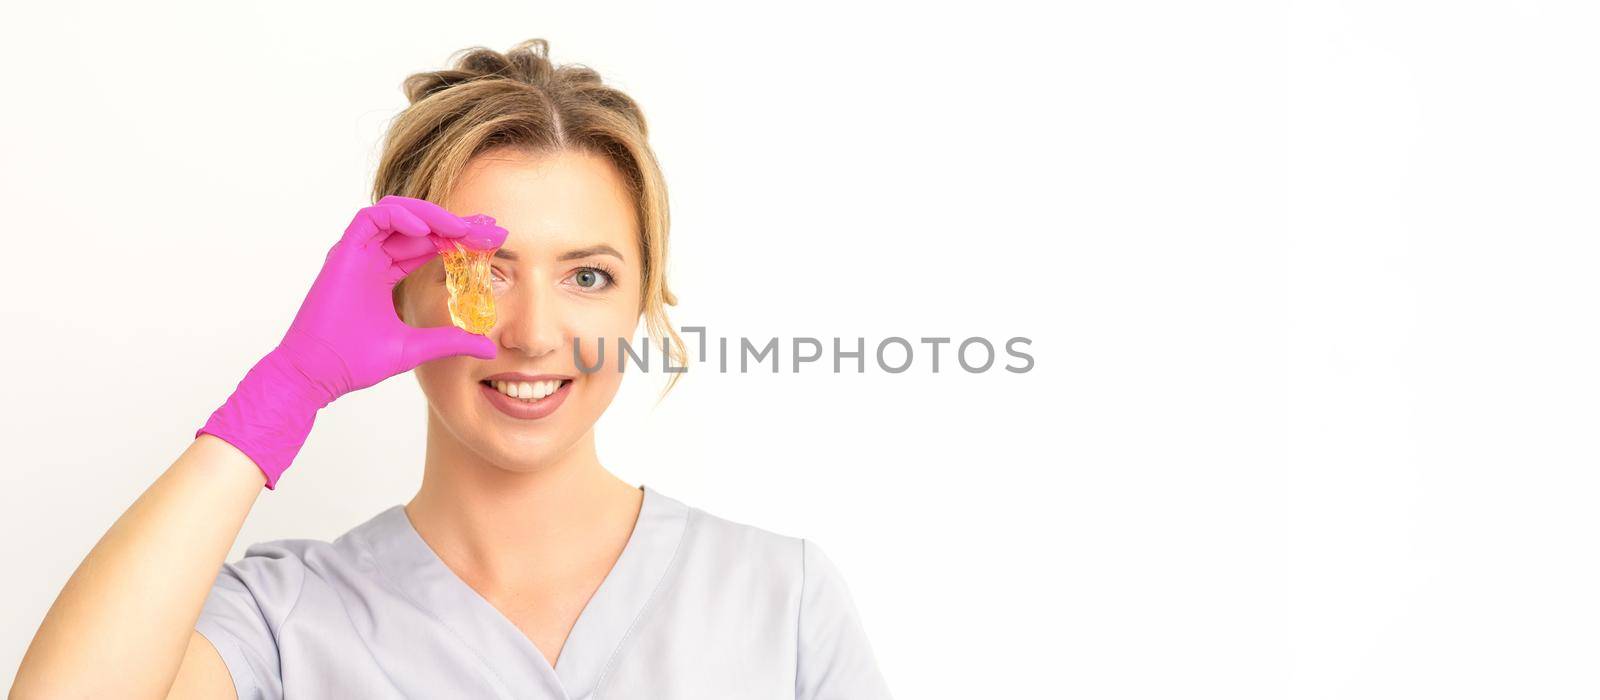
(523,450)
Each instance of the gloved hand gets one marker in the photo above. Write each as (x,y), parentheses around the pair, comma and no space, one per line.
(347,335)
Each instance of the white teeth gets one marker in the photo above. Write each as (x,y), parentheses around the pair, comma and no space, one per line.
(527,391)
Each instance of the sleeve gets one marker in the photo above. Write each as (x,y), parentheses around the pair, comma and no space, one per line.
(244,612)
(836,660)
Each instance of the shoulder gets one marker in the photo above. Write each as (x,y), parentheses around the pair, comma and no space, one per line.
(743,550)
(286,592)
(744,537)
(803,591)
(731,544)
(284,567)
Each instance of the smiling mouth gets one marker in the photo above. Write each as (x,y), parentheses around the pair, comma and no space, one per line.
(528,392)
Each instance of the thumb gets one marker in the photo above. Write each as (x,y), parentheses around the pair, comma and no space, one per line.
(428,344)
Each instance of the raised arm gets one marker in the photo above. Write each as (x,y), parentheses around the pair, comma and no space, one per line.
(124,624)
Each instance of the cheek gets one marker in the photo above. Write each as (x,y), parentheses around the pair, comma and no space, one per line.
(447,380)
(608,321)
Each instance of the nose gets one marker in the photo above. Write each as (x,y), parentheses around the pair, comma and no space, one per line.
(528,322)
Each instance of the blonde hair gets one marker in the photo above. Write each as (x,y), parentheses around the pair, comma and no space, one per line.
(519,99)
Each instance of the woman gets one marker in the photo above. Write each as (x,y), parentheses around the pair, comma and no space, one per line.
(522,567)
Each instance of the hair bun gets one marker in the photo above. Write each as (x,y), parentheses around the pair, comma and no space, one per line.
(527,62)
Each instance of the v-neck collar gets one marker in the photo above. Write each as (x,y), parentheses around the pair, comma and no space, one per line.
(418,572)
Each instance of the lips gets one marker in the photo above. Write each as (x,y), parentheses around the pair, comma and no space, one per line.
(525,397)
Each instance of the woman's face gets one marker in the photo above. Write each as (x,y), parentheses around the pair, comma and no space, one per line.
(569,270)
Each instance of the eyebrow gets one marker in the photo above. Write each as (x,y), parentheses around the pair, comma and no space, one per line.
(575,254)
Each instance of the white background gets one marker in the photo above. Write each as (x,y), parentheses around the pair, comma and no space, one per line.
(1310,287)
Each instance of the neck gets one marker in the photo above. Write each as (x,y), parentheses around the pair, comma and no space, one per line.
(499,528)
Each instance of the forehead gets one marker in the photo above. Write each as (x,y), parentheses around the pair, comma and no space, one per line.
(549,203)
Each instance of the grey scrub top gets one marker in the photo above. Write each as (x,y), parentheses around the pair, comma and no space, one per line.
(696,607)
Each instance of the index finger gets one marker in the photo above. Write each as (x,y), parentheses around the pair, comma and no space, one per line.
(439,221)
(483,233)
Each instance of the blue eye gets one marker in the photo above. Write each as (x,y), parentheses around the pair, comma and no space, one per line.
(592,278)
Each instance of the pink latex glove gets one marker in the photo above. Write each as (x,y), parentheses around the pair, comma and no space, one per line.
(347,335)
